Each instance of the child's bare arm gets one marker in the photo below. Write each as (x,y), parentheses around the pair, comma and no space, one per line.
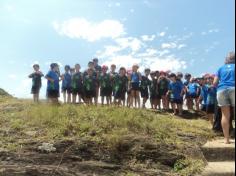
(31,75)
(49,79)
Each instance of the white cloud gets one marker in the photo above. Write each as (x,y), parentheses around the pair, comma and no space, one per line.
(148,38)
(162,34)
(150,52)
(182,46)
(210,31)
(169,45)
(214,30)
(83,29)
(165,63)
(130,42)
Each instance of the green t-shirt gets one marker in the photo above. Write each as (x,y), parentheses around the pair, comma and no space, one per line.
(89,83)
(77,80)
(145,83)
(120,83)
(105,80)
(163,84)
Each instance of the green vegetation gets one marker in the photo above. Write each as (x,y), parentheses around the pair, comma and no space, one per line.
(3,93)
(136,138)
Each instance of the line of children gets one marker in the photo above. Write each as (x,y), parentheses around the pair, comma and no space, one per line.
(163,89)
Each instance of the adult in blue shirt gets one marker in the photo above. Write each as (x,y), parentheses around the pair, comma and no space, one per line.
(53,86)
(225,83)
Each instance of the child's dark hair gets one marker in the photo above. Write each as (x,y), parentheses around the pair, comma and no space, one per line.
(90,63)
(187,75)
(36,66)
(172,75)
(147,70)
(122,69)
(53,65)
(67,67)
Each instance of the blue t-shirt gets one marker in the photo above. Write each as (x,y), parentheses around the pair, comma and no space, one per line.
(192,88)
(209,95)
(135,78)
(212,96)
(176,89)
(66,83)
(53,85)
(226,75)
(204,94)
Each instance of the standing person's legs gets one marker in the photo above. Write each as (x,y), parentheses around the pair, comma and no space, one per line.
(226,99)
(74,98)
(37,97)
(159,103)
(132,97)
(197,104)
(69,96)
(64,94)
(174,108)
(225,122)
(137,95)
(189,103)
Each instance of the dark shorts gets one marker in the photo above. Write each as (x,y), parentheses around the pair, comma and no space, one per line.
(35,90)
(155,97)
(66,90)
(209,109)
(53,93)
(135,87)
(77,91)
(106,92)
(129,92)
(176,101)
(203,108)
(193,96)
(144,93)
(89,94)
(120,95)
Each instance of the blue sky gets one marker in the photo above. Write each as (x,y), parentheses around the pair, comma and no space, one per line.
(180,35)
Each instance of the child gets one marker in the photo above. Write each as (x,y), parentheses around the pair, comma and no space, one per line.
(158,93)
(36,82)
(163,85)
(154,91)
(106,86)
(135,79)
(95,76)
(77,84)
(145,83)
(209,98)
(53,86)
(120,87)
(176,91)
(193,90)
(187,78)
(113,74)
(97,67)
(66,84)
(89,85)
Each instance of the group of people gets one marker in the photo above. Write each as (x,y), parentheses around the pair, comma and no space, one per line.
(165,90)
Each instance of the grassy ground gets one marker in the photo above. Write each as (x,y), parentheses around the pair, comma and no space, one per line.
(140,142)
